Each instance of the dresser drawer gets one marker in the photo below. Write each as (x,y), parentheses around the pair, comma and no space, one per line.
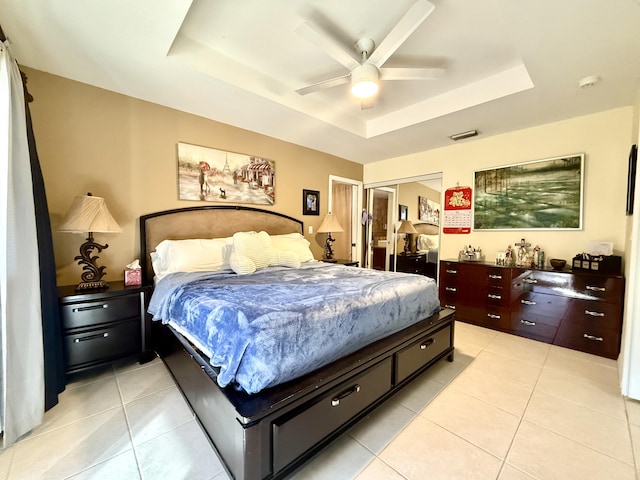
(296,433)
(592,338)
(93,313)
(101,344)
(540,308)
(598,287)
(602,314)
(532,327)
(417,355)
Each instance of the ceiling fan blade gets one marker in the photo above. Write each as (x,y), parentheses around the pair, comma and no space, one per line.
(411,73)
(332,82)
(328,44)
(411,20)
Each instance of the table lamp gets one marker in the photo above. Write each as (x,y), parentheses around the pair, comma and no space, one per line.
(329,224)
(406,227)
(89,214)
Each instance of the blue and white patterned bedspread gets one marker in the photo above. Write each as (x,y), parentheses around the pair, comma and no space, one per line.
(279,323)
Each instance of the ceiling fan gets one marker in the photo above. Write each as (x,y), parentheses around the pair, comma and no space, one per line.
(365,70)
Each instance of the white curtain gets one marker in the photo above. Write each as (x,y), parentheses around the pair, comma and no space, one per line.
(21,372)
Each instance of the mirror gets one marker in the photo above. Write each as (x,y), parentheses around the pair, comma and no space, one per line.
(417,200)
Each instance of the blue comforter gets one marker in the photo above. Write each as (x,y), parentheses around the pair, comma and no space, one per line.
(280,323)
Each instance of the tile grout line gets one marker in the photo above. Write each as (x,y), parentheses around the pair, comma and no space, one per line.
(524,411)
(126,419)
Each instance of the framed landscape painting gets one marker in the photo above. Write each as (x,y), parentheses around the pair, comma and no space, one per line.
(540,195)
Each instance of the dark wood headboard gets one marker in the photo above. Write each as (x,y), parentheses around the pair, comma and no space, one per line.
(207,222)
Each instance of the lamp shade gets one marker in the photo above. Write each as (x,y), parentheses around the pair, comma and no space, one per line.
(89,214)
(407,227)
(330,224)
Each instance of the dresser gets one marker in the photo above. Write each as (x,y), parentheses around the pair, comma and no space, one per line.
(104,325)
(577,310)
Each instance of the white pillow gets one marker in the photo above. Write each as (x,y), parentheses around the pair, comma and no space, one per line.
(293,242)
(241,265)
(192,255)
(427,242)
(256,246)
(288,259)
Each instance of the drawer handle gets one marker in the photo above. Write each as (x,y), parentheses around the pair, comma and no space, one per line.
(591,337)
(91,337)
(493,316)
(452,307)
(528,323)
(594,314)
(336,400)
(92,307)
(452,271)
(424,345)
(495,277)
(494,296)
(530,280)
(596,289)
(451,289)
(527,302)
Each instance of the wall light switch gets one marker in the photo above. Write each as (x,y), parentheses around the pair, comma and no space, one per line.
(310,229)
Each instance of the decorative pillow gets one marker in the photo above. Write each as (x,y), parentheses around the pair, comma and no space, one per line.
(288,259)
(241,265)
(192,255)
(293,242)
(256,246)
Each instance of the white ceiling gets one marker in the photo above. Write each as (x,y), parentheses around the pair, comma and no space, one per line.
(510,64)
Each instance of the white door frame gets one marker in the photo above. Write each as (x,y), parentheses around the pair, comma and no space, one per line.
(356,212)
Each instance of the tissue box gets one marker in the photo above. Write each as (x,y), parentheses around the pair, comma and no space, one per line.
(133,276)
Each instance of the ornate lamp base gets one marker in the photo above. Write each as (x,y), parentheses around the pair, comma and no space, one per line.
(92,274)
(328,250)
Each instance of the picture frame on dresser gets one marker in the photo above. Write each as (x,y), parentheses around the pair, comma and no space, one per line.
(538,195)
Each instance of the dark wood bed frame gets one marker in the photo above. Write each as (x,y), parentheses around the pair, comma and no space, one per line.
(270,434)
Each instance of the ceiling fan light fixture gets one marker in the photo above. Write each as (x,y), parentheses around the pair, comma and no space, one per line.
(364,81)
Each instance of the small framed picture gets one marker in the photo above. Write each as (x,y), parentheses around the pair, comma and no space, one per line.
(310,202)
(403,212)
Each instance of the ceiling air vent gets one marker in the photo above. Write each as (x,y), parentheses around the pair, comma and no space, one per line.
(463,135)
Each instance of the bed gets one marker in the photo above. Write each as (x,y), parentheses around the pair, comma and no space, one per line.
(269,432)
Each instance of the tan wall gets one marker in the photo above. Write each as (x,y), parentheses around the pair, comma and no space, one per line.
(123,149)
(603,137)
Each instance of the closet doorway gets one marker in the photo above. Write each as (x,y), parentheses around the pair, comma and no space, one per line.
(383,206)
(345,202)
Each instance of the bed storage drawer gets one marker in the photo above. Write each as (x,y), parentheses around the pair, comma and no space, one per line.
(418,354)
(302,429)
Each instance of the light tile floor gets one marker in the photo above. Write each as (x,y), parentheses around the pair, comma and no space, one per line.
(507,408)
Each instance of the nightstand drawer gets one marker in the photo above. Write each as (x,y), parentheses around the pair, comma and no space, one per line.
(86,314)
(101,344)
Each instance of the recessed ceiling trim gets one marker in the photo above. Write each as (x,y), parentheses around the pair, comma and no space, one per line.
(507,82)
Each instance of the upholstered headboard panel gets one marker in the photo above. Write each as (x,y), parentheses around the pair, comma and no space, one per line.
(207,222)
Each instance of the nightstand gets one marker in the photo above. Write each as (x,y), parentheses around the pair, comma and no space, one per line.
(411,263)
(101,326)
(342,261)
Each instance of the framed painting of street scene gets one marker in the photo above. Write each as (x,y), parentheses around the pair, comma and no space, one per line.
(214,175)
(539,195)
